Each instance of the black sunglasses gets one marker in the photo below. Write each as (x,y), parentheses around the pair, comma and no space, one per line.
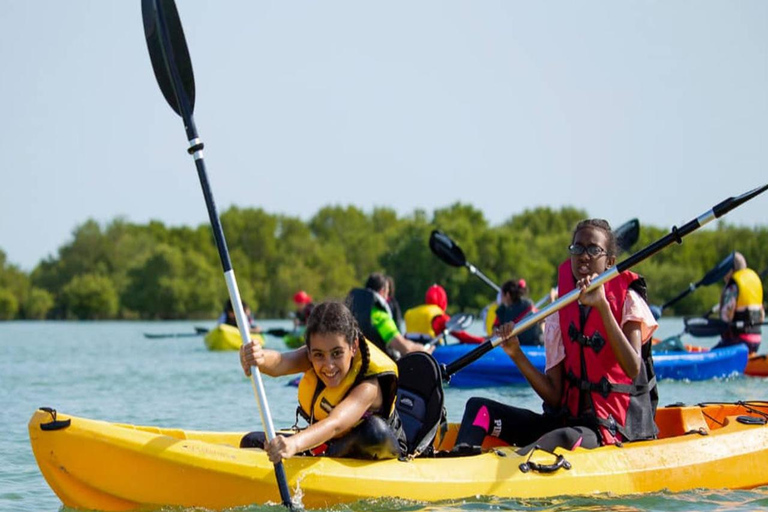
(593,250)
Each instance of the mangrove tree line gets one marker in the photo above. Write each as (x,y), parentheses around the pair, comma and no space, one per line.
(153,271)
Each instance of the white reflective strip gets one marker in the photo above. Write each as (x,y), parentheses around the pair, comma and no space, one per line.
(706,217)
(245,335)
(198,155)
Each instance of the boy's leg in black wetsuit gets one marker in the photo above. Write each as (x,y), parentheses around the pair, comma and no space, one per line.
(565,437)
(513,425)
(372,439)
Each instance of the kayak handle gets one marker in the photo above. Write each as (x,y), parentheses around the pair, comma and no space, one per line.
(559,463)
(54,424)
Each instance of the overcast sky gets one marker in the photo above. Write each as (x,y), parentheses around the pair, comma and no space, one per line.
(648,109)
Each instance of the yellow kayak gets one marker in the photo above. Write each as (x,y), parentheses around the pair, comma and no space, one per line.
(106,466)
(226,337)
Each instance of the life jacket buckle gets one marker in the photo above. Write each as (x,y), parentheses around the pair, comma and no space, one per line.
(604,388)
(596,342)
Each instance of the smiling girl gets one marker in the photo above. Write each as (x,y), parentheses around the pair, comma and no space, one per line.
(347,393)
(598,386)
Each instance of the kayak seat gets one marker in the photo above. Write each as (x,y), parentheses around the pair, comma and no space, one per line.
(420,399)
(677,421)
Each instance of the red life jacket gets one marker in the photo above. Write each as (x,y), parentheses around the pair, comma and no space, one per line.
(597,392)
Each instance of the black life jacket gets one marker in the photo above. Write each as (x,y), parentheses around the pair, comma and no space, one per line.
(361,302)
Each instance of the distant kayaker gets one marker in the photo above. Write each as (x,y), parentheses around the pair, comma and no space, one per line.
(741,306)
(370,309)
(228,316)
(394,305)
(598,387)
(515,305)
(304,306)
(424,322)
(347,393)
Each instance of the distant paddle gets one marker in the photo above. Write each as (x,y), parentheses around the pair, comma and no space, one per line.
(676,235)
(199,331)
(702,327)
(459,321)
(715,275)
(626,236)
(277,332)
(173,70)
(156,336)
(449,251)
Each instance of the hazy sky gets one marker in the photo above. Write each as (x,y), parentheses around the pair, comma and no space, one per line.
(648,109)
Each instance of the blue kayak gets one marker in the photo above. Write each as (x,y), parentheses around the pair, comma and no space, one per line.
(495,368)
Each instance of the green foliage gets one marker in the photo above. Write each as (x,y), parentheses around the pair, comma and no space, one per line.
(173,284)
(89,297)
(37,305)
(9,305)
(125,270)
(13,279)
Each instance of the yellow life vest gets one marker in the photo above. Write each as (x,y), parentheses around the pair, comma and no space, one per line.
(750,288)
(316,401)
(490,317)
(418,320)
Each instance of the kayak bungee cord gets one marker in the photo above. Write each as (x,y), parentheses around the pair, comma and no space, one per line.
(675,235)
(173,70)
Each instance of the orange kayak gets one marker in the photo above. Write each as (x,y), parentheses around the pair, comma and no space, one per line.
(757,365)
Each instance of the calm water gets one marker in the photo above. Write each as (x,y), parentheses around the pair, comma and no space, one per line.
(110,371)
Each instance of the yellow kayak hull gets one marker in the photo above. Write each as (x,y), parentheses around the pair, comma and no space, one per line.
(226,337)
(98,465)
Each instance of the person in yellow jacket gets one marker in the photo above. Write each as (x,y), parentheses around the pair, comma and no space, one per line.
(424,322)
(741,306)
(347,393)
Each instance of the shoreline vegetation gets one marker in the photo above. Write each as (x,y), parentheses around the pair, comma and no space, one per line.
(123,270)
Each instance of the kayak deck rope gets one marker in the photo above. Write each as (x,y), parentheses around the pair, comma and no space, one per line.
(747,405)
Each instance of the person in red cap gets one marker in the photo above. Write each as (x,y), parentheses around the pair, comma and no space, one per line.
(424,322)
(304,306)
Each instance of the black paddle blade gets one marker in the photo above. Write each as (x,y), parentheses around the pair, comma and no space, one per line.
(168,51)
(446,249)
(732,202)
(627,235)
(718,273)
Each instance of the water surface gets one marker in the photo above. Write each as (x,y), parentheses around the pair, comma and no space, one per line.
(110,371)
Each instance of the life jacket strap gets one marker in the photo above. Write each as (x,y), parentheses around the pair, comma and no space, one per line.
(605,387)
(596,342)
